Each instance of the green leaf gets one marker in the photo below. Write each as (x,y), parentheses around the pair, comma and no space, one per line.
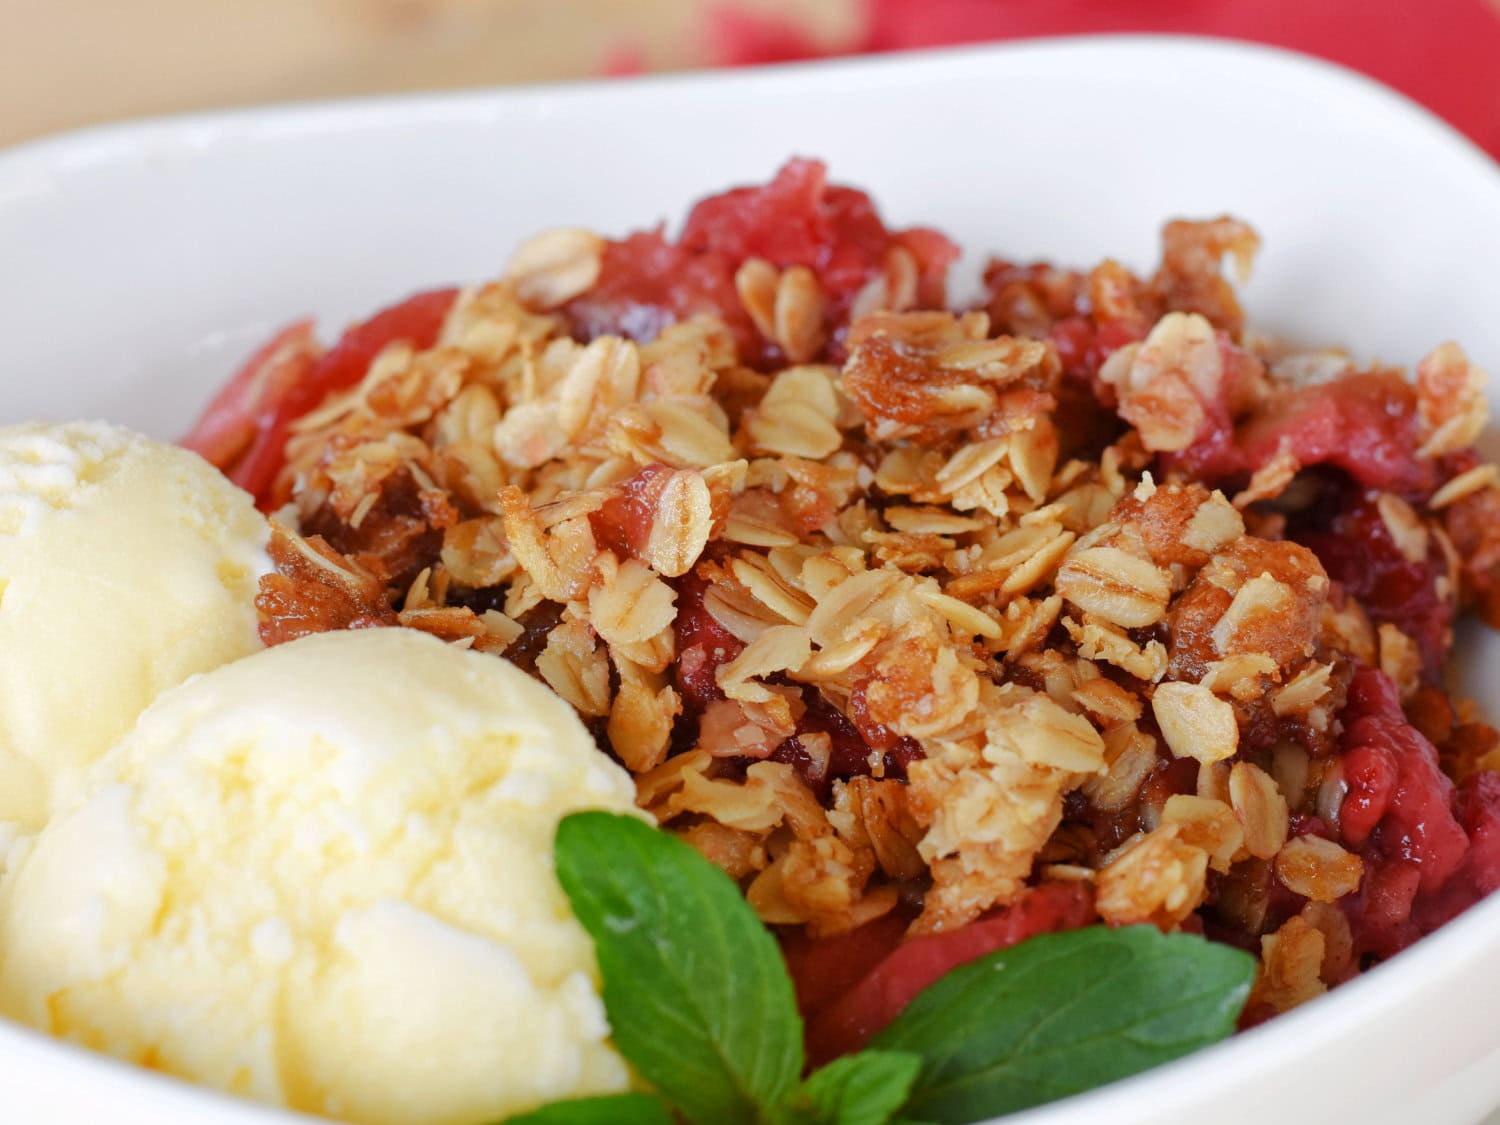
(619,1109)
(863,1089)
(1063,1013)
(698,997)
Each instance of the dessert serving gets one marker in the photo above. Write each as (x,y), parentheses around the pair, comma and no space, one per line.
(1073,630)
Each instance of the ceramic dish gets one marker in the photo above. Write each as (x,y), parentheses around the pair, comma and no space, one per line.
(139,262)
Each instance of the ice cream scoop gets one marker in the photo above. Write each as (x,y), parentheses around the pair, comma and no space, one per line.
(126,566)
(322,876)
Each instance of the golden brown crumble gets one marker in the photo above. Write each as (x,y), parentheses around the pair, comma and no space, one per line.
(882,628)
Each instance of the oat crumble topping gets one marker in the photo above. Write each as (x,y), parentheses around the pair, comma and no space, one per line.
(897,611)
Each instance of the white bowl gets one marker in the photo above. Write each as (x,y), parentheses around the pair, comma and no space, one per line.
(138,263)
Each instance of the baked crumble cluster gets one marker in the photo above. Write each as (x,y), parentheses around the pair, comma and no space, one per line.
(904,616)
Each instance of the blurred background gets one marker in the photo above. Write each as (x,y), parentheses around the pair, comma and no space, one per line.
(65,63)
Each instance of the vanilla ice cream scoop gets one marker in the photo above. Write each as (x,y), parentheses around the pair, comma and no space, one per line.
(126,566)
(322,876)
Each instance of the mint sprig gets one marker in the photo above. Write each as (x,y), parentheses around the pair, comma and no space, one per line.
(698,996)
(618,1109)
(864,1089)
(1065,1013)
(700,1002)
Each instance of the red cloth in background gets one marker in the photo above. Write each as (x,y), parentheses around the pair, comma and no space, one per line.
(1443,53)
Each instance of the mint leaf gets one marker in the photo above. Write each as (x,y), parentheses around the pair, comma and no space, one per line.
(619,1109)
(863,1089)
(697,994)
(1063,1013)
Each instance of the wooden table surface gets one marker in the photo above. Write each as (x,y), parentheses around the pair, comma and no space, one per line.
(65,63)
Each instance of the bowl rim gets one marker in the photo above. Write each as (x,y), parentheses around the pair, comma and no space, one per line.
(35,164)
(78,147)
